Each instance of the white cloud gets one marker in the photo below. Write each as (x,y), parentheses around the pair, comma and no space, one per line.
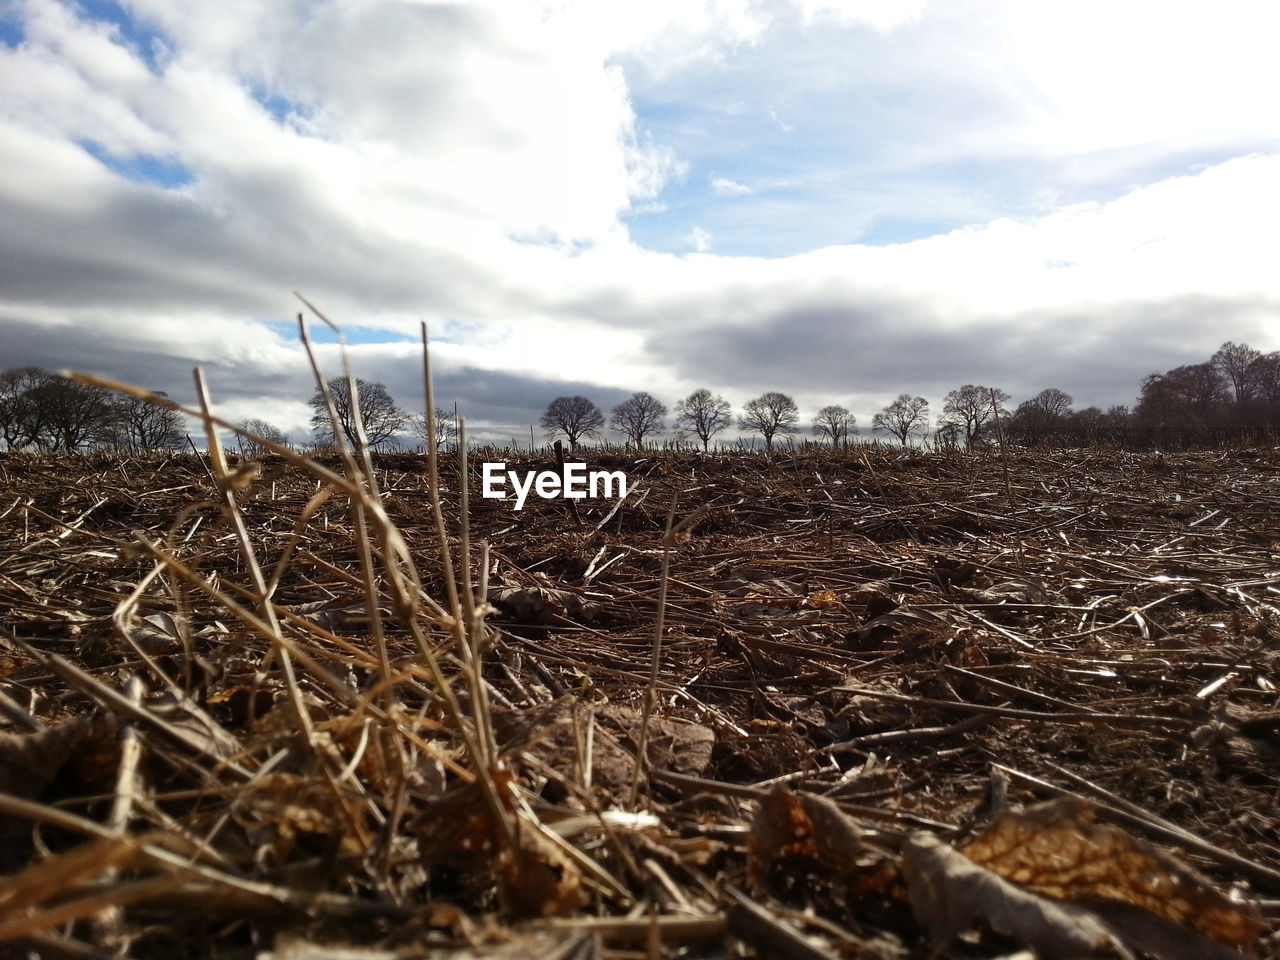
(470,165)
(879,14)
(699,239)
(729,188)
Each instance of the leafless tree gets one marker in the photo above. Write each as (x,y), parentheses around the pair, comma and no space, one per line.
(970,408)
(141,425)
(768,415)
(1041,416)
(1236,362)
(1200,385)
(379,415)
(74,415)
(703,415)
(575,417)
(446,426)
(249,445)
(1266,373)
(1183,405)
(835,423)
(638,415)
(905,416)
(20,422)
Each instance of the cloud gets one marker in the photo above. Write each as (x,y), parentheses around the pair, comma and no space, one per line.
(542,187)
(699,239)
(879,14)
(729,188)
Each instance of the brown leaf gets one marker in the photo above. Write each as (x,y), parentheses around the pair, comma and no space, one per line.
(1056,849)
(822,599)
(876,595)
(1011,591)
(278,810)
(543,605)
(900,621)
(949,892)
(815,828)
(538,878)
(673,744)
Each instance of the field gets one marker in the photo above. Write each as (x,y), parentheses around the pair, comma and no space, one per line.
(901,702)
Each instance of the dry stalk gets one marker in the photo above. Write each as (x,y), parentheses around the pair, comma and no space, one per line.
(405,588)
(361,480)
(1004,454)
(655,662)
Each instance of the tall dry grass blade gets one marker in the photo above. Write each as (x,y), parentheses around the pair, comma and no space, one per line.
(472,613)
(109,924)
(227,485)
(363,480)
(406,591)
(655,660)
(483,747)
(433,479)
(1004,454)
(113,898)
(467,619)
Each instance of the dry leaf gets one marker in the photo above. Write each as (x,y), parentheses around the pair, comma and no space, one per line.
(674,744)
(278,810)
(543,605)
(949,892)
(1057,850)
(823,598)
(815,828)
(157,633)
(538,878)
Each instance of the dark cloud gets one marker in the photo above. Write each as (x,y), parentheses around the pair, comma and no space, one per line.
(1099,354)
(497,404)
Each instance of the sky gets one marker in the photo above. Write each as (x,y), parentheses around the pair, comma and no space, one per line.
(843,200)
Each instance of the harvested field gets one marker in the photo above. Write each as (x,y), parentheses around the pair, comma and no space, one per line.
(1063,667)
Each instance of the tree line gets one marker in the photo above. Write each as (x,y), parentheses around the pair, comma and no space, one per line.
(1232,396)
(43,411)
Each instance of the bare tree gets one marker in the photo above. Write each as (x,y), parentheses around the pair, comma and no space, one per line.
(142,425)
(20,423)
(1200,386)
(1182,405)
(768,415)
(638,415)
(1266,372)
(1042,415)
(446,426)
(378,413)
(260,429)
(834,422)
(74,415)
(903,417)
(970,408)
(575,417)
(703,415)
(1236,362)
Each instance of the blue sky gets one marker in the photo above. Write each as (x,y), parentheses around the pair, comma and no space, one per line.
(840,199)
